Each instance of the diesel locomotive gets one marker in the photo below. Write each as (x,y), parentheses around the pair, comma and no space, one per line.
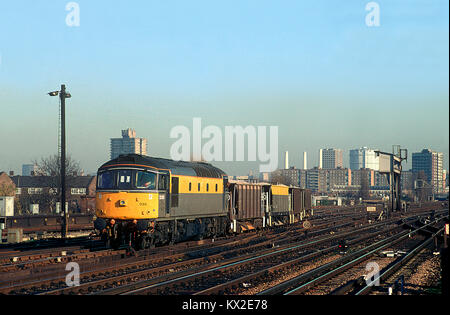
(145,201)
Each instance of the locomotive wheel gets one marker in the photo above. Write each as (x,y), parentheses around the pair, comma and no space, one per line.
(142,243)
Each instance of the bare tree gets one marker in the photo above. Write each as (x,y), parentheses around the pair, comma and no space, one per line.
(18,207)
(49,177)
(7,190)
(277,177)
(24,202)
(51,166)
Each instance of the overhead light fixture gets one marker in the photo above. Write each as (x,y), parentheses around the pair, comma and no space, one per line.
(56,93)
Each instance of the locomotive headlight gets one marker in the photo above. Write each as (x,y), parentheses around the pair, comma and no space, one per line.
(122,203)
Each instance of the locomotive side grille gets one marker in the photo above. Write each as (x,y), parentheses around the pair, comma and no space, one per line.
(202,171)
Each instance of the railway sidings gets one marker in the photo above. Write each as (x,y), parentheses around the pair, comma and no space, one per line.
(328,254)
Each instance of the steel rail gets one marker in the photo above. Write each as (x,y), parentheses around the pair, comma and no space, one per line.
(192,260)
(340,234)
(221,287)
(343,263)
(359,259)
(397,265)
(247,260)
(211,250)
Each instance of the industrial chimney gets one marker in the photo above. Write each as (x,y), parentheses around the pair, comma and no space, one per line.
(320,158)
(286,160)
(305,162)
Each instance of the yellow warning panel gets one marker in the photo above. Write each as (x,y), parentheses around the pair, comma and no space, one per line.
(280,190)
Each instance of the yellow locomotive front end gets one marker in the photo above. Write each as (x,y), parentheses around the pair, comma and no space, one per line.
(128,200)
(126,205)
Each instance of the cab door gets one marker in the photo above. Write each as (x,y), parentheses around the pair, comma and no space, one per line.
(163,187)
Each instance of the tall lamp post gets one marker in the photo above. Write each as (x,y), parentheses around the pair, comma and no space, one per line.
(63,95)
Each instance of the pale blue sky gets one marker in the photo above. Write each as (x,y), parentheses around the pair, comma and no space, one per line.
(313,68)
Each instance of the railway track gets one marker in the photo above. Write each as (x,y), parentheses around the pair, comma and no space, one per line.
(273,274)
(159,285)
(194,259)
(182,251)
(400,263)
(254,241)
(21,259)
(304,282)
(211,276)
(120,274)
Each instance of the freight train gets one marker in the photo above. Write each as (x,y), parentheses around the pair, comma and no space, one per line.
(145,201)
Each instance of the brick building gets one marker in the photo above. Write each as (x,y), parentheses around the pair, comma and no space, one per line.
(44,190)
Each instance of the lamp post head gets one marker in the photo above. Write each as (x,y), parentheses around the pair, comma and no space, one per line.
(56,93)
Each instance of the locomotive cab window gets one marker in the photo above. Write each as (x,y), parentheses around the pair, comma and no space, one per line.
(105,180)
(145,180)
(163,182)
(124,179)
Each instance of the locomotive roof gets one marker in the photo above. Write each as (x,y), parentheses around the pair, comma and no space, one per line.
(199,169)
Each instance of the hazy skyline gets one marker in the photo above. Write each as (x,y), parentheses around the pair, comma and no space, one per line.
(315,69)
